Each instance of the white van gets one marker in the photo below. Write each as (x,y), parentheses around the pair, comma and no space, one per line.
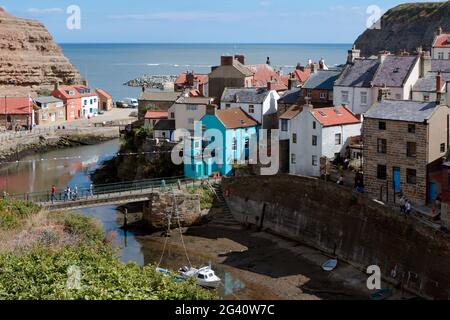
(133,103)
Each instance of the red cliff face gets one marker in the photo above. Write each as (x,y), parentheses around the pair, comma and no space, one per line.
(29,59)
(407,26)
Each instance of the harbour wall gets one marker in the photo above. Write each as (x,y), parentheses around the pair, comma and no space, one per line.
(341,222)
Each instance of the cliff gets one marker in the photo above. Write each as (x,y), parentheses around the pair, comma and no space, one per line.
(407,26)
(29,59)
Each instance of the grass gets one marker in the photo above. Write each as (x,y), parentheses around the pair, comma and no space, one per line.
(42,256)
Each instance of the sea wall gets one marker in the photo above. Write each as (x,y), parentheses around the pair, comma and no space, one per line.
(339,221)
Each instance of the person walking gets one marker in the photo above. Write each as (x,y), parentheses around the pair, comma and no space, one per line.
(407,207)
(69,193)
(402,204)
(53,193)
(75,193)
(91,190)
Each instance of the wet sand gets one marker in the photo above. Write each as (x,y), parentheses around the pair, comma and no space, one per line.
(255,265)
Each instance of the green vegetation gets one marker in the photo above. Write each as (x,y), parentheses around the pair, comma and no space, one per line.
(40,252)
(415,11)
(206,196)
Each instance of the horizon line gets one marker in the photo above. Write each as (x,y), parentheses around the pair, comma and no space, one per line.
(217,43)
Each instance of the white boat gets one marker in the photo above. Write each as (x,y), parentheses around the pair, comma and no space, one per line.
(205,276)
(330,265)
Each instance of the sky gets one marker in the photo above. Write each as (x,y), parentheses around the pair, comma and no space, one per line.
(202,21)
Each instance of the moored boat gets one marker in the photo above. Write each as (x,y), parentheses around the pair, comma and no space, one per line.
(205,276)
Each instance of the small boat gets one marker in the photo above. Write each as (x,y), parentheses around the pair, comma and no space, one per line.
(382,294)
(205,276)
(330,265)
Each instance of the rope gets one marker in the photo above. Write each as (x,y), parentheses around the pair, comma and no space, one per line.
(165,242)
(179,228)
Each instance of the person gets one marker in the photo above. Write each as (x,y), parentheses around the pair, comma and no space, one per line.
(402,204)
(69,193)
(53,193)
(91,190)
(407,207)
(66,195)
(75,193)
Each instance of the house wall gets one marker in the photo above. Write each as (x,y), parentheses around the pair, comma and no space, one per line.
(226,76)
(329,147)
(435,53)
(51,114)
(16,121)
(285,135)
(354,97)
(89,106)
(105,103)
(182,115)
(397,136)
(438,133)
(412,79)
(315,97)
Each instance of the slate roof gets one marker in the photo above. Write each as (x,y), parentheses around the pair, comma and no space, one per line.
(50,99)
(242,68)
(194,100)
(322,80)
(440,65)
(291,113)
(245,95)
(159,96)
(358,74)
(291,96)
(235,118)
(165,124)
(394,71)
(428,83)
(401,110)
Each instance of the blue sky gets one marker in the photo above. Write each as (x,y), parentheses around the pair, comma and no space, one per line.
(203,21)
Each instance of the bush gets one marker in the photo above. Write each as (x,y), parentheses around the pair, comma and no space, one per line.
(82,227)
(14,212)
(206,196)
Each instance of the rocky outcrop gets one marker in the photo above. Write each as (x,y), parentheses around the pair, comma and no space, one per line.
(407,26)
(30,61)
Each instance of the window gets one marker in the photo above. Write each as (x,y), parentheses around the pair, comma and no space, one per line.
(309,93)
(85,102)
(227,106)
(442,147)
(234,144)
(338,139)
(314,140)
(294,138)
(314,161)
(61,114)
(441,56)
(411,149)
(448,53)
(426,97)
(323,95)
(284,125)
(191,120)
(172,115)
(411,128)
(44,116)
(411,176)
(314,125)
(363,98)
(381,172)
(293,158)
(382,146)
(382,125)
(8,118)
(344,96)
(191,108)
(251,109)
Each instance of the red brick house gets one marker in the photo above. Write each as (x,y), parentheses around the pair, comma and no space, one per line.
(17,113)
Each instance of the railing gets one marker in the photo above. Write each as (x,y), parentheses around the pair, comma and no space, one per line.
(109,190)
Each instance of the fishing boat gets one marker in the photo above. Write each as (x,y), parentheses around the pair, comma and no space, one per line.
(330,265)
(205,276)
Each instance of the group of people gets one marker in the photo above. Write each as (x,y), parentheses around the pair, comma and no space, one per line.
(70,194)
(405,205)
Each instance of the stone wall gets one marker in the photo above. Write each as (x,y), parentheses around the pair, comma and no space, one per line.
(339,221)
(161,206)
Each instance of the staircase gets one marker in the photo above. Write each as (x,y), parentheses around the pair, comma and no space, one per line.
(224,217)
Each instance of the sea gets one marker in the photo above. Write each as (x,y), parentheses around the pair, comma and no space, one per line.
(109,66)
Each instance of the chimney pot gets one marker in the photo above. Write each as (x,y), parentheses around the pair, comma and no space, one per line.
(240,58)
(226,60)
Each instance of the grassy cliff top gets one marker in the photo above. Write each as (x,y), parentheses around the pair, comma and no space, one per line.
(416,11)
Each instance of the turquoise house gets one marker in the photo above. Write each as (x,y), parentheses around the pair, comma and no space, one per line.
(222,138)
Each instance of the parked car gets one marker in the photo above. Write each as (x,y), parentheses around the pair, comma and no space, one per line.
(100,111)
(121,104)
(131,102)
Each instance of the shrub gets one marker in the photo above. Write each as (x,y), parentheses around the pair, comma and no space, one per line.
(13,212)
(206,196)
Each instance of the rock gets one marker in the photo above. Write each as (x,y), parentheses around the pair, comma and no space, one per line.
(407,26)
(30,61)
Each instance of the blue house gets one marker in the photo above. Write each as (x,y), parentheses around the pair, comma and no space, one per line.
(222,138)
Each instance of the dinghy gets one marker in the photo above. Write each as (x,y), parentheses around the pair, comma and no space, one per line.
(330,265)
(205,276)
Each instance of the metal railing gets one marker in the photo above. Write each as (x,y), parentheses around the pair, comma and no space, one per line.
(85,193)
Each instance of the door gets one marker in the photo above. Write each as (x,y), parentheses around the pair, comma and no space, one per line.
(433,191)
(396,179)
(53,117)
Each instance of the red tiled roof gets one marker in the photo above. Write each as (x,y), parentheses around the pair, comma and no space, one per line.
(235,118)
(302,76)
(85,89)
(156,114)
(291,113)
(64,91)
(103,93)
(263,73)
(334,116)
(442,41)
(15,105)
(197,77)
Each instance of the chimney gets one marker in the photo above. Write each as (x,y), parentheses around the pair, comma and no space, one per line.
(226,60)
(211,109)
(268,61)
(383,93)
(270,85)
(190,78)
(321,64)
(439,31)
(240,58)
(292,83)
(382,55)
(353,54)
(425,63)
(85,83)
(314,67)
(439,85)
(56,85)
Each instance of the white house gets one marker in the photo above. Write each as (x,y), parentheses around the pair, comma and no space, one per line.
(441,46)
(359,85)
(260,103)
(319,133)
(89,102)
